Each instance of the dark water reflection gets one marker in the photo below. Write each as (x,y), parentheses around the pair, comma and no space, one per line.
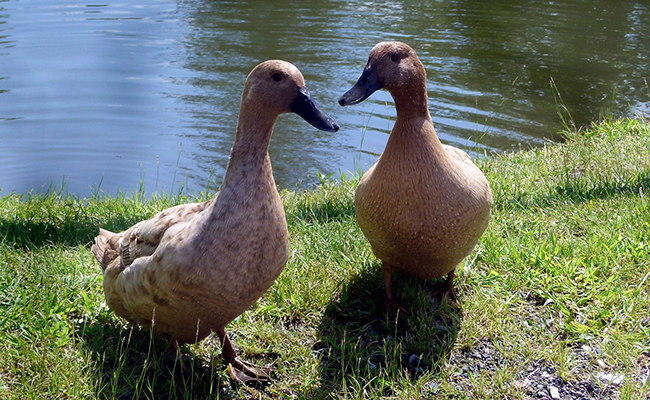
(110,93)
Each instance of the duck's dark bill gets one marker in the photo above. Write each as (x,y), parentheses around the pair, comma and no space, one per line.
(304,106)
(365,86)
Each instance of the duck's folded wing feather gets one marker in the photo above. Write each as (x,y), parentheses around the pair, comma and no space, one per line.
(142,239)
(459,154)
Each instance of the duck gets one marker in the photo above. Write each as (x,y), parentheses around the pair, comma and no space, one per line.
(190,270)
(423,205)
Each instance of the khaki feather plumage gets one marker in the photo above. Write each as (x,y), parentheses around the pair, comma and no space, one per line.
(423,205)
(191,269)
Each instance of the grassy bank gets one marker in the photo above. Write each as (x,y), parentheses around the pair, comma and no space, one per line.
(555,296)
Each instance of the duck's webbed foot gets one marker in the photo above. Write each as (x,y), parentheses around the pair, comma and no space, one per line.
(246,373)
(446,291)
(394,309)
(241,371)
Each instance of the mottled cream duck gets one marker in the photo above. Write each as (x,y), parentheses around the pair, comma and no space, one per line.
(423,205)
(191,269)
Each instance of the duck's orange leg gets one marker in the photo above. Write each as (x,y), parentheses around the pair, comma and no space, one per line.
(389,298)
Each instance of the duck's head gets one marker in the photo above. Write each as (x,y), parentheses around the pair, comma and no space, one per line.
(278,87)
(391,66)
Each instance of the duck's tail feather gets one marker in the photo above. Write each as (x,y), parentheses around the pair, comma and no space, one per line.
(102,249)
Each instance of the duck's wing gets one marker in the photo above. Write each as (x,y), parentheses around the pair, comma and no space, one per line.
(106,248)
(143,238)
(119,250)
(458,154)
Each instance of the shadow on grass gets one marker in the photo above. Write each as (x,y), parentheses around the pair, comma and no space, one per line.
(30,234)
(63,222)
(129,363)
(360,347)
(50,220)
(325,212)
(578,191)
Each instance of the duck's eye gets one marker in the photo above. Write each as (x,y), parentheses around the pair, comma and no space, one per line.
(277,77)
(394,57)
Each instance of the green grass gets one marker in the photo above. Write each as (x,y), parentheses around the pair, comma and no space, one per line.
(555,294)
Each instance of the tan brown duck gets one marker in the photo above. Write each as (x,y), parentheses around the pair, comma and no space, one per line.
(423,205)
(191,269)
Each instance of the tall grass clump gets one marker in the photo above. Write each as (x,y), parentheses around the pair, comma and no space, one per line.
(553,299)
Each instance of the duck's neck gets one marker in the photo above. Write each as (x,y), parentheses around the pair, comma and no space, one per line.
(411,101)
(413,129)
(249,163)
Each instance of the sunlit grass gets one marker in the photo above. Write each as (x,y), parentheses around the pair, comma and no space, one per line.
(555,294)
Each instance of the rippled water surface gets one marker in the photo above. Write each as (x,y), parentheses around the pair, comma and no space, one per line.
(123,94)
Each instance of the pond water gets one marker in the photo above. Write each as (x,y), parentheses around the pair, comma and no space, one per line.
(109,96)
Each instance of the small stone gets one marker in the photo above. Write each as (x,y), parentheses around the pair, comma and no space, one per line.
(431,387)
(522,384)
(414,361)
(611,378)
(555,393)
(601,363)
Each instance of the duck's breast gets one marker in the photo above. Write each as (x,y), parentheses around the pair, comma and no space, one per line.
(423,219)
